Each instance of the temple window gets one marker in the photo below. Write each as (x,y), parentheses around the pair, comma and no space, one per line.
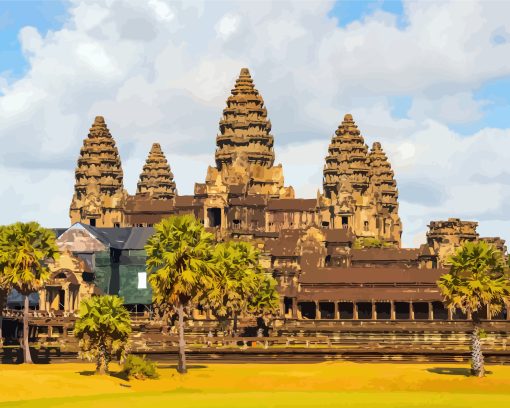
(325,224)
(308,310)
(364,310)
(327,310)
(365,225)
(421,310)
(327,261)
(402,310)
(346,310)
(439,311)
(345,222)
(383,310)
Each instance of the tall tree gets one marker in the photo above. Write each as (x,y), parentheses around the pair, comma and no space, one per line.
(237,282)
(103,328)
(265,301)
(25,250)
(178,259)
(477,280)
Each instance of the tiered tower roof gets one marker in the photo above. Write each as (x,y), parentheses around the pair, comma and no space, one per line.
(383,177)
(244,127)
(156,179)
(99,162)
(348,155)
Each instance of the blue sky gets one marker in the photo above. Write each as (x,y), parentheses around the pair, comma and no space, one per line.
(48,15)
(44,15)
(429,83)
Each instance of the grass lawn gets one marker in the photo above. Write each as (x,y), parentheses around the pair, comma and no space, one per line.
(330,384)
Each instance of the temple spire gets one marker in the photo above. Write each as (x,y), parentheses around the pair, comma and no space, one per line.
(156,179)
(383,177)
(348,155)
(244,127)
(98,190)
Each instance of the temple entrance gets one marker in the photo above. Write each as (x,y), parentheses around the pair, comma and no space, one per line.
(214,217)
(61,299)
(92,222)
(308,310)
(439,311)
(345,222)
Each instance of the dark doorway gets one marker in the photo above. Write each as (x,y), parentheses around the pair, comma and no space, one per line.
(501,315)
(459,315)
(364,310)
(401,310)
(421,310)
(92,222)
(61,299)
(327,310)
(439,311)
(346,310)
(383,310)
(214,215)
(308,310)
(287,301)
(345,222)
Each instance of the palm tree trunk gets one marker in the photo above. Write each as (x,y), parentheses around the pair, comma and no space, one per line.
(100,364)
(477,360)
(1,331)
(181,367)
(26,347)
(234,330)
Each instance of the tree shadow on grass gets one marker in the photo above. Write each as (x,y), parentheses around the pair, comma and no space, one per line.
(117,374)
(466,372)
(174,366)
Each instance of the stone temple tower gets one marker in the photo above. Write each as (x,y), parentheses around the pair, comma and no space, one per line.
(244,147)
(156,180)
(99,195)
(360,186)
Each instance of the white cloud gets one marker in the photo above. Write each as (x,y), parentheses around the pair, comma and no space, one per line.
(161,71)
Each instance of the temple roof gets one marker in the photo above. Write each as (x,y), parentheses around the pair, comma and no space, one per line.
(383,176)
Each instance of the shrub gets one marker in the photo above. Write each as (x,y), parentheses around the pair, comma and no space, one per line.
(140,368)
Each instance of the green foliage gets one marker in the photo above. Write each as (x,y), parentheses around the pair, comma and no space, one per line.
(25,250)
(103,328)
(140,368)
(237,284)
(477,279)
(178,257)
(361,243)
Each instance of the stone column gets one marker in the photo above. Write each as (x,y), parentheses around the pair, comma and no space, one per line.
(337,311)
(317,310)
(431,311)
(450,314)
(294,308)
(42,299)
(354,310)
(282,306)
(411,311)
(374,311)
(392,310)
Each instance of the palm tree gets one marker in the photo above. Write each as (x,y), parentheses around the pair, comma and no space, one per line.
(477,280)
(178,258)
(25,250)
(238,283)
(103,327)
(265,300)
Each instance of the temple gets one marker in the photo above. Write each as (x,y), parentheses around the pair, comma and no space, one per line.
(335,256)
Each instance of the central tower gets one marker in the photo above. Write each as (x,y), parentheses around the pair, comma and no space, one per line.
(244,147)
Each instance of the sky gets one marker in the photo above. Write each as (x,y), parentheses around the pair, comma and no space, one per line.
(429,80)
